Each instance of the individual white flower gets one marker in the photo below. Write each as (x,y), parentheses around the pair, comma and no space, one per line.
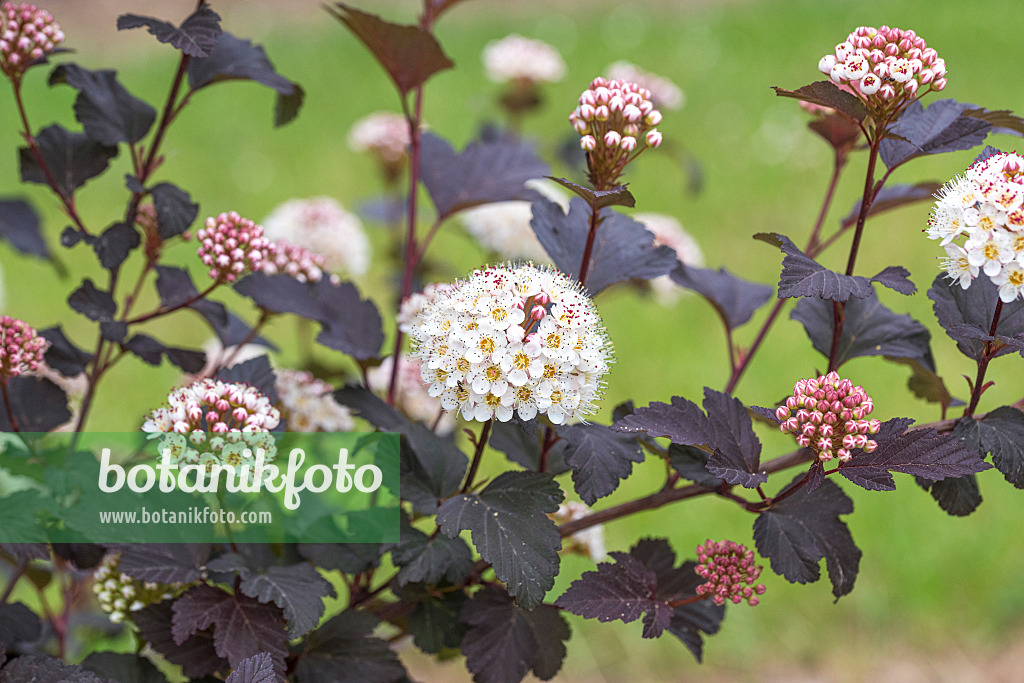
(669,232)
(989,251)
(550,359)
(417,389)
(515,58)
(1011,281)
(307,403)
(322,226)
(664,93)
(958,266)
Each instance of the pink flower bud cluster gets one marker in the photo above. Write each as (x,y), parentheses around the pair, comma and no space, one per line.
(886,67)
(232,246)
(729,571)
(21,349)
(28,33)
(299,262)
(616,120)
(210,405)
(828,415)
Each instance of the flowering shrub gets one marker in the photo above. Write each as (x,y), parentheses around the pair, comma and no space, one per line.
(514,358)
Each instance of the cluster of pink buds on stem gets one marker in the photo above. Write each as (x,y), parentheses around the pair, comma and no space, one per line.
(232,246)
(729,571)
(828,415)
(21,348)
(299,262)
(887,68)
(616,121)
(27,35)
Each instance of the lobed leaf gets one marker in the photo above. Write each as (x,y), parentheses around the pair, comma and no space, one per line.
(737,450)
(196,655)
(196,36)
(63,356)
(19,225)
(958,496)
(175,210)
(827,94)
(599,457)
(430,560)
(733,298)
(966,314)
(1001,433)
(72,159)
(163,562)
(151,351)
(38,405)
(113,246)
(255,372)
(256,669)
(109,114)
(945,126)
(682,421)
(18,624)
(434,623)
(344,650)
(691,463)
(598,199)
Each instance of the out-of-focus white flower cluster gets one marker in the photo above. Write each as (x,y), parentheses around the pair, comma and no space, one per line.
(513,339)
(307,403)
(515,58)
(118,594)
(413,305)
(669,232)
(322,226)
(411,395)
(504,227)
(664,93)
(985,205)
(27,34)
(590,541)
(383,134)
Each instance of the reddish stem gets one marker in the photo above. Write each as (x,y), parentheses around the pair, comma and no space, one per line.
(987,355)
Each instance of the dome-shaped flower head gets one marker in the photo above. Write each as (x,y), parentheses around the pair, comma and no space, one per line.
(515,58)
(299,262)
(21,349)
(513,339)
(985,208)
(27,35)
(231,246)
(828,414)
(504,229)
(887,68)
(616,121)
(118,594)
(729,571)
(215,422)
(384,135)
(308,405)
(323,227)
(664,93)
(670,233)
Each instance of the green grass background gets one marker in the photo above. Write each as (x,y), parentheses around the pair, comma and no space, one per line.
(929,585)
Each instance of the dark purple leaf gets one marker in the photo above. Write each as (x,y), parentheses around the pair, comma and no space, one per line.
(490,170)
(114,245)
(175,210)
(521,443)
(163,562)
(599,457)
(827,94)
(196,36)
(38,405)
(944,126)
(344,650)
(63,356)
(238,59)
(71,157)
(18,624)
(254,372)
(511,530)
(113,330)
(299,590)
(956,496)
(33,668)
(81,555)
(625,590)
(869,329)
(507,641)
(109,114)
(598,199)
(256,669)
(894,196)
(815,476)
(91,302)
(802,276)
(123,668)
(442,463)
(737,450)
(1003,120)
(196,655)
(1001,433)
(734,299)
(925,383)
(797,532)
(682,421)
(426,559)
(921,452)
(28,551)
(434,623)
(897,279)
(409,54)
(692,463)
(974,307)
(19,225)
(838,131)
(348,558)
(623,249)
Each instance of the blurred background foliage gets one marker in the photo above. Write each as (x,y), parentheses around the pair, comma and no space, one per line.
(937,598)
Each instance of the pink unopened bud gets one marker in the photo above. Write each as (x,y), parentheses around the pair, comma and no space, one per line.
(653,138)
(612,138)
(588,143)
(628,143)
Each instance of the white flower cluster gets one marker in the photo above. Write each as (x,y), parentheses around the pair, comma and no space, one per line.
(664,93)
(307,404)
(590,541)
(322,226)
(412,305)
(504,228)
(383,134)
(118,593)
(515,58)
(986,205)
(669,232)
(411,395)
(513,338)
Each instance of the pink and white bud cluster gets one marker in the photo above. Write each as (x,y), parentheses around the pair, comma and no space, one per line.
(383,134)
(27,34)
(411,395)
(664,93)
(322,226)
(523,60)
(231,246)
(828,414)
(590,541)
(986,206)
(730,572)
(118,594)
(886,68)
(513,339)
(299,262)
(307,403)
(21,348)
(616,121)
(669,232)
